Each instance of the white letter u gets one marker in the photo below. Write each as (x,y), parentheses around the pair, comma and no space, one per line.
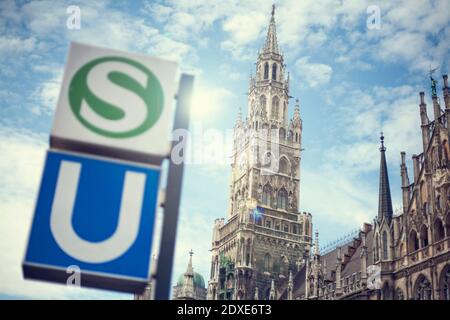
(62,212)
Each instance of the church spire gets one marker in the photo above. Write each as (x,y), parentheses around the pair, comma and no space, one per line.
(271,45)
(188,283)
(385,201)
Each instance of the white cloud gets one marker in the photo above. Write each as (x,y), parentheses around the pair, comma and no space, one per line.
(46,94)
(315,74)
(348,203)
(254,24)
(228,71)
(10,45)
(402,46)
(360,116)
(209,102)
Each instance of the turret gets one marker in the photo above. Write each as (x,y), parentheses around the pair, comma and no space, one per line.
(405,182)
(338,291)
(424,121)
(295,125)
(446,92)
(290,286)
(273,293)
(416,165)
(363,258)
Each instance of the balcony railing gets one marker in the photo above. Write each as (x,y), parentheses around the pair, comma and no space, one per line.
(424,253)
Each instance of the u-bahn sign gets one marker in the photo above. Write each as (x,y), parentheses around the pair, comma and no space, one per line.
(115,103)
(96,214)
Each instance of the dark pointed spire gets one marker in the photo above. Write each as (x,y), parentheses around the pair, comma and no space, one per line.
(385,200)
(271,44)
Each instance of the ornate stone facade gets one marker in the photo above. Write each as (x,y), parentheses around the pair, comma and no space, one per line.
(406,256)
(265,237)
(263,250)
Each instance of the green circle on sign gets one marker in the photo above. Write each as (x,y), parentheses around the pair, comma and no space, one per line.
(152,95)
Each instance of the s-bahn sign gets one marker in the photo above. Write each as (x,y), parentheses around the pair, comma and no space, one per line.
(115,103)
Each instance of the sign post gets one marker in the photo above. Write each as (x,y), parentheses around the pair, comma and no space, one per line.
(173,195)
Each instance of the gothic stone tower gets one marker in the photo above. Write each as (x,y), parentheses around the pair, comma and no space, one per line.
(265,236)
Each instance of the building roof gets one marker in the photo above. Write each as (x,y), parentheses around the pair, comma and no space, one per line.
(199,282)
(271,44)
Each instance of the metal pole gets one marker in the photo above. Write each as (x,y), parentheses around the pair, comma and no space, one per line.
(173,195)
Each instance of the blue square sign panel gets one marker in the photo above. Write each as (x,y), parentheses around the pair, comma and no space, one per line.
(96,214)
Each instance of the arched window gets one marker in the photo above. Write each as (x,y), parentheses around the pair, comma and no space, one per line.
(376,254)
(423,236)
(266,71)
(263,103)
(274,71)
(422,289)
(306,228)
(294,229)
(284,166)
(282,199)
(267,195)
(284,262)
(413,241)
(247,253)
(267,262)
(385,246)
(268,224)
(439,233)
(275,106)
(296,137)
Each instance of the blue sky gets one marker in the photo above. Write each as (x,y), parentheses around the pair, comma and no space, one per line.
(352,82)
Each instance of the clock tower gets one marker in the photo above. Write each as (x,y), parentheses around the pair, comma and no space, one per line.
(265,237)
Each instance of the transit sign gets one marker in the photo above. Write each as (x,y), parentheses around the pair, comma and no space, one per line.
(96,214)
(115,103)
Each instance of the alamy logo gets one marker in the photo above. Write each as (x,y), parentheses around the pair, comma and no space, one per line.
(116,97)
